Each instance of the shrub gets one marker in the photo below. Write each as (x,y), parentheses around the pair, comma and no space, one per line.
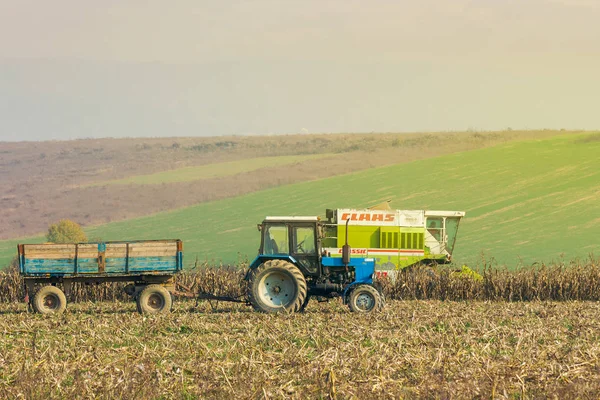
(66,231)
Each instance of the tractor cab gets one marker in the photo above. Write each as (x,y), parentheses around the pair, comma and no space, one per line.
(297,237)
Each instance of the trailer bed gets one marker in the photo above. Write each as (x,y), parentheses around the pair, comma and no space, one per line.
(101,259)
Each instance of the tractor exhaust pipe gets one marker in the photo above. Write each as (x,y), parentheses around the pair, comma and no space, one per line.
(346,248)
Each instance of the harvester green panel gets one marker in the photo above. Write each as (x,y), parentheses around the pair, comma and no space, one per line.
(389,237)
(359,236)
(381,240)
(412,238)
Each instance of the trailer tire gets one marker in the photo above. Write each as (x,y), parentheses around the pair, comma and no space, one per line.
(154,299)
(277,286)
(365,299)
(49,300)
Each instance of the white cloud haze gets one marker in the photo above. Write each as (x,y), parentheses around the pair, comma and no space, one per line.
(151,68)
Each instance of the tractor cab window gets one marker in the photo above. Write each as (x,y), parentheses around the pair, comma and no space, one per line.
(276,240)
(304,240)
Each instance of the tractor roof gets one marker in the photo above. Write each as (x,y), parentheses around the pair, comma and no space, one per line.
(290,218)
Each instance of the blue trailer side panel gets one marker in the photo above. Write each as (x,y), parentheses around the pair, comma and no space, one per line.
(111,258)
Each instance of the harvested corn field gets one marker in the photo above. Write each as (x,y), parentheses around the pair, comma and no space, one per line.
(413,349)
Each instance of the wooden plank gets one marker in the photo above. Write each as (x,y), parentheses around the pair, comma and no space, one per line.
(51,256)
(151,264)
(150,253)
(34,247)
(49,251)
(154,244)
(88,254)
(121,253)
(49,266)
(90,247)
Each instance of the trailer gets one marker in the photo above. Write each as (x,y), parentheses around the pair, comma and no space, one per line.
(148,266)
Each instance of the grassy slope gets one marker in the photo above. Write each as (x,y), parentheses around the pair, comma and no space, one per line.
(532,200)
(208,171)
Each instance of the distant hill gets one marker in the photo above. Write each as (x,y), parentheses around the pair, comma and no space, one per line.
(95,181)
(526,201)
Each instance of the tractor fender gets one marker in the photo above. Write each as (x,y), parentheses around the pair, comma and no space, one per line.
(262,258)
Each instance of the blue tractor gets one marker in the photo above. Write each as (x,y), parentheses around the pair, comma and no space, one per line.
(291,268)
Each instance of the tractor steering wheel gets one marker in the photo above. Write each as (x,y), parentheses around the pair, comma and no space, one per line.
(299,247)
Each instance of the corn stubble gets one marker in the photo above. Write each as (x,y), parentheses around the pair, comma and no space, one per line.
(414,349)
(578,280)
(487,344)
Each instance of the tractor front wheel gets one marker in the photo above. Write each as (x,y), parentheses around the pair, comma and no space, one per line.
(365,299)
(276,286)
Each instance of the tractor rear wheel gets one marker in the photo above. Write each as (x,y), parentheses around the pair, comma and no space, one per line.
(304,304)
(154,299)
(49,300)
(276,286)
(365,299)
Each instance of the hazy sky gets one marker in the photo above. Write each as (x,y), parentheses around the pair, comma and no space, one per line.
(75,68)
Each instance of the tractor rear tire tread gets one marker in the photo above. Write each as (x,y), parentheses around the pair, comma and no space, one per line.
(304,303)
(282,266)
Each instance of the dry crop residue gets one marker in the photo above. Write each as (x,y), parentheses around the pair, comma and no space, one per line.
(414,349)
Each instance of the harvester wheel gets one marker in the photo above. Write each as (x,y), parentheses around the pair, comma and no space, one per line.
(365,299)
(49,300)
(154,299)
(275,286)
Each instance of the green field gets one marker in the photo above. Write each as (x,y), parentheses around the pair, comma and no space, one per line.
(208,171)
(525,201)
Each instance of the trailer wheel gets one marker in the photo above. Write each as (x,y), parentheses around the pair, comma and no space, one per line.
(365,299)
(154,299)
(275,286)
(49,300)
